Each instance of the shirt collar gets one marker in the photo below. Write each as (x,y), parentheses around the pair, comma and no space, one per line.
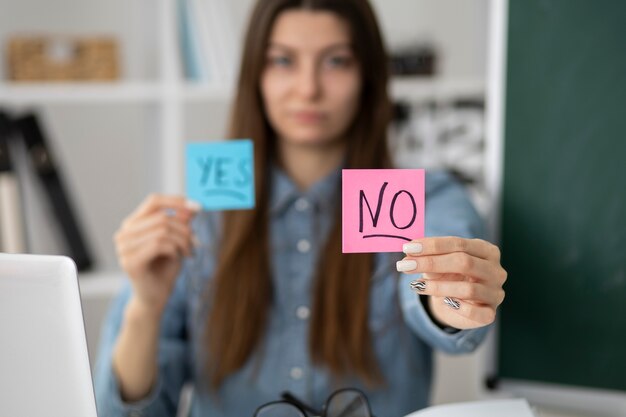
(283,191)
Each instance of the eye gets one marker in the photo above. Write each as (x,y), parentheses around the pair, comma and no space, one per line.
(279,61)
(339,61)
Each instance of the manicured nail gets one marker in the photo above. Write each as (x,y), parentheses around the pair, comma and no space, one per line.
(418,285)
(412,248)
(193,205)
(452,303)
(405,266)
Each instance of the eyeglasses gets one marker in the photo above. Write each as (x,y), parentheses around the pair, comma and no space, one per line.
(348,402)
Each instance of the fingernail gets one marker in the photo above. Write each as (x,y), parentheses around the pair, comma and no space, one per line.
(195,241)
(193,205)
(405,266)
(452,303)
(418,285)
(412,248)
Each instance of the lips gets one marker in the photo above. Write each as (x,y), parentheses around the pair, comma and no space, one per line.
(308,116)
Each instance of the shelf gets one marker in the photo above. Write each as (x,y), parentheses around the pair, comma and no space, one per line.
(410,88)
(100,283)
(433,88)
(84,93)
(207,92)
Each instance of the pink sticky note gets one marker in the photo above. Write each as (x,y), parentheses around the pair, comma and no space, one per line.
(382,209)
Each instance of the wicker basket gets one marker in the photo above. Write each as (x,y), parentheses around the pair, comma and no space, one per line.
(62,58)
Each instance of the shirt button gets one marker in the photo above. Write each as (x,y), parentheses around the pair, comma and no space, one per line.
(303,312)
(296,372)
(302,204)
(304,246)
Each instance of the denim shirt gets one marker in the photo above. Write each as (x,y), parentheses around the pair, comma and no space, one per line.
(403,334)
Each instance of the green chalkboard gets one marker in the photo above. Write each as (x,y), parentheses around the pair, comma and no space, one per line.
(563,217)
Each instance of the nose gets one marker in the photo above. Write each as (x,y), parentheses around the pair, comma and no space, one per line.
(308,82)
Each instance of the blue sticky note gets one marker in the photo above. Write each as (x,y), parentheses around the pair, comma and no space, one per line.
(220,174)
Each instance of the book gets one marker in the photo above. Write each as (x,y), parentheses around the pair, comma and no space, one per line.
(226,39)
(51,185)
(194,65)
(218,40)
(489,408)
(12,234)
(209,53)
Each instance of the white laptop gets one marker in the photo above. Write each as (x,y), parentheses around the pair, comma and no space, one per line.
(44,366)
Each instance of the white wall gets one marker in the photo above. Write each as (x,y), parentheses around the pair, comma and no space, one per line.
(458,28)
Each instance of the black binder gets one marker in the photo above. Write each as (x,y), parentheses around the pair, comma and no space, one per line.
(5,161)
(45,166)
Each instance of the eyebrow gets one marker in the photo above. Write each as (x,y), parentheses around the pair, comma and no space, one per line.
(324,50)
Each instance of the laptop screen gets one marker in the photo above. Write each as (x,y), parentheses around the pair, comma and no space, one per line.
(44,366)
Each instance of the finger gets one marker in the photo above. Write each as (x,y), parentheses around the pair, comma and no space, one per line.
(142,229)
(458,263)
(445,277)
(481,314)
(155,221)
(180,239)
(474,292)
(147,253)
(140,225)
(155,202)
(131,247)
(443,245)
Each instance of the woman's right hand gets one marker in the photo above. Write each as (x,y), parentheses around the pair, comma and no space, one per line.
(150,245)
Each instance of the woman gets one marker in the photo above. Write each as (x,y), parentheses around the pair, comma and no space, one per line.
(265,301)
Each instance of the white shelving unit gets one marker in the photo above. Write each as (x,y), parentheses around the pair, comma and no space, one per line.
(117,142)
(166,100)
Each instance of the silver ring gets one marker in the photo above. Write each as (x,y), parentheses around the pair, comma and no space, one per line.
(452,303)
(418,285)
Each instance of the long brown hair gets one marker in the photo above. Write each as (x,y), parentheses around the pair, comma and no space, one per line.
(339,332)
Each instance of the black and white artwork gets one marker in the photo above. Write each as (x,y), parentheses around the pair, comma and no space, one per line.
(443,136)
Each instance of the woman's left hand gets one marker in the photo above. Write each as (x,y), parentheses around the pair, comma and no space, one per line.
(463,277)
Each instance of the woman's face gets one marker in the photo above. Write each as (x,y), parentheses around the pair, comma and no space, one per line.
(311,83)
